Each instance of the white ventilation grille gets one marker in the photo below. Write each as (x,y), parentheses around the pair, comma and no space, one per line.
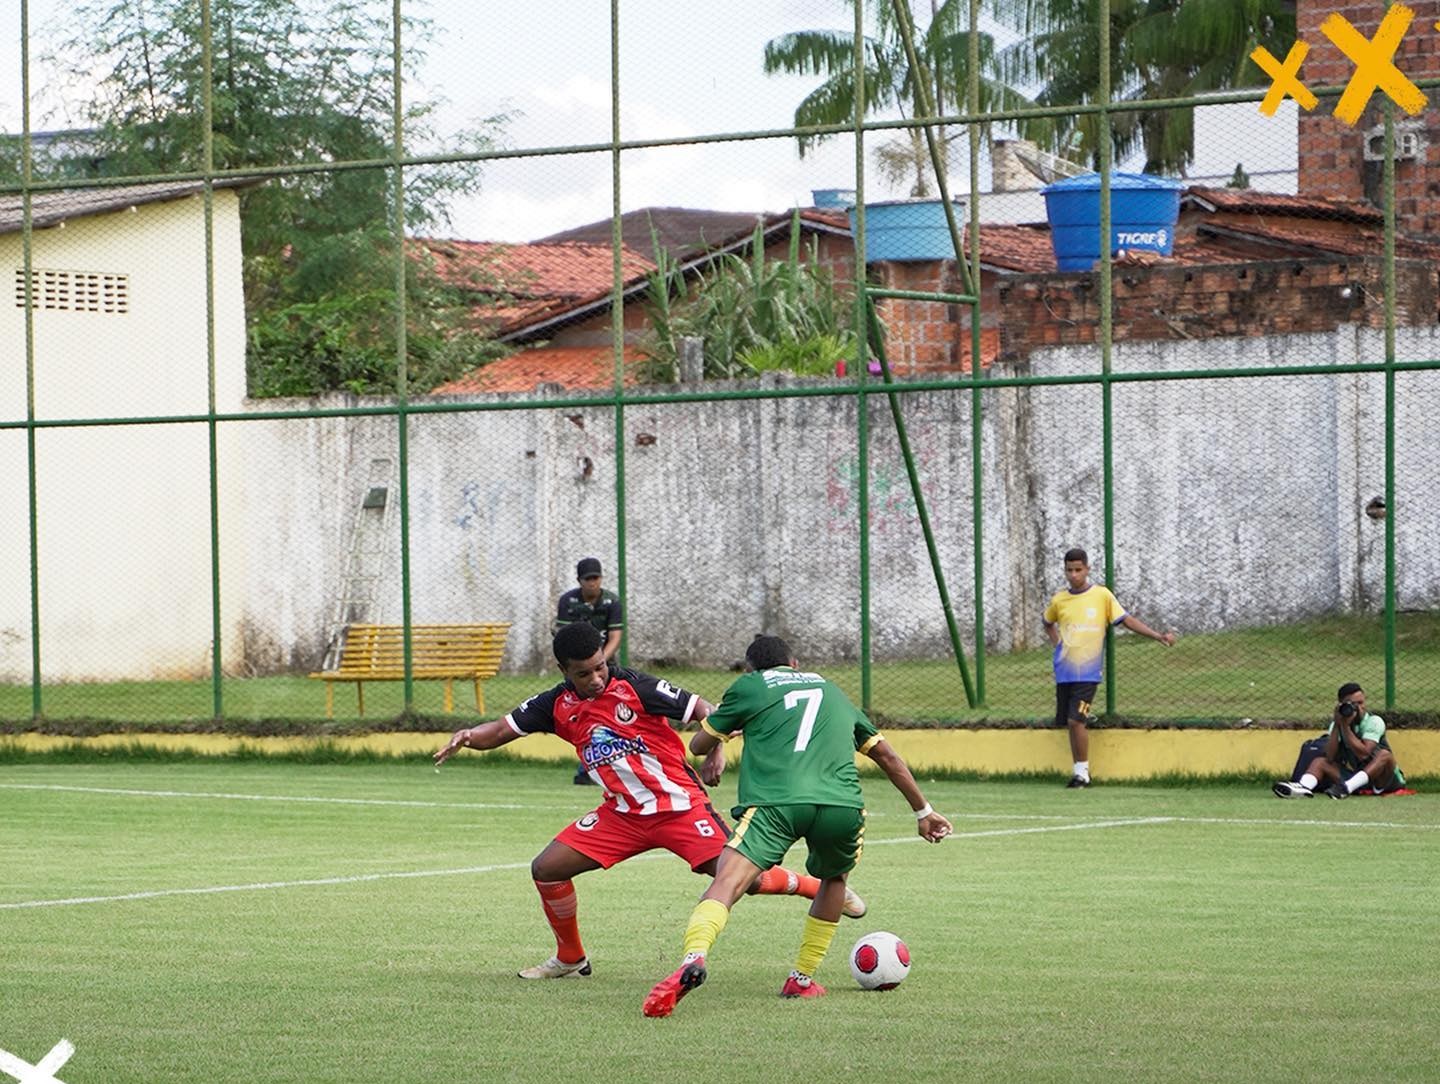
(74,291)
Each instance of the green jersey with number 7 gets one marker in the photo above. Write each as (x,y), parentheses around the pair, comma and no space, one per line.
(801,736)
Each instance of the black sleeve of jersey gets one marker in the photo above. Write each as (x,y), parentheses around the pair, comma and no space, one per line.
(537,715)
(657,696)
(616,619)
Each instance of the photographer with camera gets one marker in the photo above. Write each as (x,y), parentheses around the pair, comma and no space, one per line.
(1356,754)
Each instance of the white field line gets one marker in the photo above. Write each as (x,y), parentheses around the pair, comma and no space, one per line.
(263,886)
(261,797)
(534,806)
(1308,822)
(1079,827)
(234,797)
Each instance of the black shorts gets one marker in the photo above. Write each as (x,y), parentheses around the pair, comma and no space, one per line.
(1073,700)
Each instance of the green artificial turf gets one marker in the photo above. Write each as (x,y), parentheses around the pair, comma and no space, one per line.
(358,922)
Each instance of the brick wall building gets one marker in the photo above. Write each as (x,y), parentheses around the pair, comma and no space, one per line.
(1245,263)
(1345,162)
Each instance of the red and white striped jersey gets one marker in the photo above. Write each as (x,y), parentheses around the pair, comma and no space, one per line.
(624,739)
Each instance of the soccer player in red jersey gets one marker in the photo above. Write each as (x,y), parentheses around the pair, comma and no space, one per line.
(618,721)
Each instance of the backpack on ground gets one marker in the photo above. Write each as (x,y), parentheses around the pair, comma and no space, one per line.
(1309,750)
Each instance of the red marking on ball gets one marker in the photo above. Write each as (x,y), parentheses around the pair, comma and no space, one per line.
(867,959)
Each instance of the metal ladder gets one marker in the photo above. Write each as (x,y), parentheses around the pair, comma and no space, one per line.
(365,560)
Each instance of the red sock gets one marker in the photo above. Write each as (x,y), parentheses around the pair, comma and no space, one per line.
(779,881)
(774,882)
(558,899)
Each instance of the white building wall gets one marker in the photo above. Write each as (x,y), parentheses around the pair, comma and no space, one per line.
(124,551)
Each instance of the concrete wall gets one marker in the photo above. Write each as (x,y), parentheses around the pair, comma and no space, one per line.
(123,520)
(1238,503)
(1126,754)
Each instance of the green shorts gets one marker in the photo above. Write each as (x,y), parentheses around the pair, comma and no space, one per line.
(835,835)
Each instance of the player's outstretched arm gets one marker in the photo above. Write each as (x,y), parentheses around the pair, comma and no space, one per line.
(1134,624)
(704,744)
(485,736)
(713,766)
(931,825)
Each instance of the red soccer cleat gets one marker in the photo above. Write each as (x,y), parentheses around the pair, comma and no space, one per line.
(664,994)
(795,986)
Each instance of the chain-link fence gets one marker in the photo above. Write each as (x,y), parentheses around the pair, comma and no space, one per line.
(315,332)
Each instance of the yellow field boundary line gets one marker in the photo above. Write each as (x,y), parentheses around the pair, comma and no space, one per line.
(1115,754)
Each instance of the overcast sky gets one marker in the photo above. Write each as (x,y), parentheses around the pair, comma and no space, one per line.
(685,70)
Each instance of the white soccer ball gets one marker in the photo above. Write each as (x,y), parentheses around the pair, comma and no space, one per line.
(880,961)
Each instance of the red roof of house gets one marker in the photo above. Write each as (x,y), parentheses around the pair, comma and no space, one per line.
(532,281)
(684,232)
(1247,201)
(1297,237)
(573,271)
(530,284)
(583,368)
(1015,248)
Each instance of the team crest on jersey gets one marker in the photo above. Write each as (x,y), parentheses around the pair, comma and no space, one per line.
(624,713)
(588,822)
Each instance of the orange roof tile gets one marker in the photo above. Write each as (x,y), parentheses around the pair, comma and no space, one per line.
(1247,201)
(575,368)
(1016,248)
(559,269)
(1357,242)
(532,281)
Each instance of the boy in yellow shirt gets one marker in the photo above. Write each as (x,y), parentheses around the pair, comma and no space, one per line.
(1075,622)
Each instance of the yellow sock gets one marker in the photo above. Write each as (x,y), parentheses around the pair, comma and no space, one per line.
(814,943)
(706,922)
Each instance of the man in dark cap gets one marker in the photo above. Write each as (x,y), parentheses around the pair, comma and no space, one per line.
(594,605)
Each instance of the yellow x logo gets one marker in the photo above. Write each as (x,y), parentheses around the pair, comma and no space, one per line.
(1284,78)
(1373,67)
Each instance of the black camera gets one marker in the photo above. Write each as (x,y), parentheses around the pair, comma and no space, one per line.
(1347,708)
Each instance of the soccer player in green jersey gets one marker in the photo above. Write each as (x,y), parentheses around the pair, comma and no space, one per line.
(797,781)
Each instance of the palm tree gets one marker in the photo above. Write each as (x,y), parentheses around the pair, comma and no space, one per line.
(943,48)
(1158,49)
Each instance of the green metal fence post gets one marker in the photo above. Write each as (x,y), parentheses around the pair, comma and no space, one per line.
(207,91)
(1390,510)
(977,371)
(862,366)
(617,319)
(402,376)
(970,280)
(1107,433)
(876,336)
(27,234)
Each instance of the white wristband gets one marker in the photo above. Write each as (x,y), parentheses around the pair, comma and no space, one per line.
(923,812)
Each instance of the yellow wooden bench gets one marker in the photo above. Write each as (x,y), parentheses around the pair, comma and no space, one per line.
(437,652)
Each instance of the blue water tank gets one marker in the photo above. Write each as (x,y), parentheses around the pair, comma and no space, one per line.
(909,230)
(1143,212)
(836,199)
